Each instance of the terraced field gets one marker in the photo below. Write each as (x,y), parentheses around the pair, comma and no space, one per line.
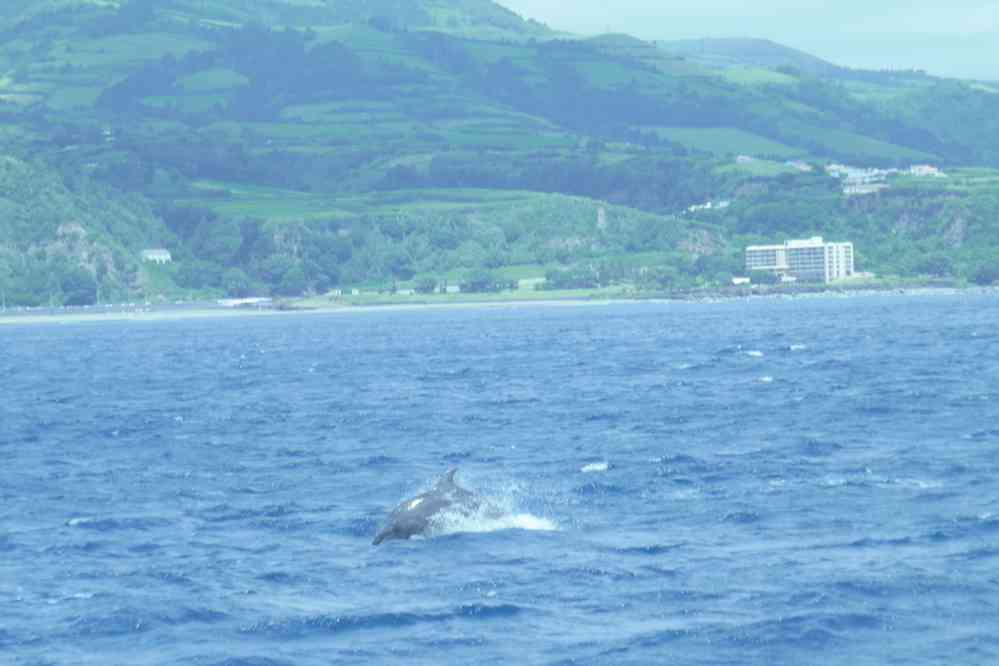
(728,141)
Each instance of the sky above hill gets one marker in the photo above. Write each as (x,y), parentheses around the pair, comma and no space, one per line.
(959,38)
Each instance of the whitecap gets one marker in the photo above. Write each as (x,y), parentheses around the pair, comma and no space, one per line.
(78,522)
(755,354)
(594,468)
(767,380)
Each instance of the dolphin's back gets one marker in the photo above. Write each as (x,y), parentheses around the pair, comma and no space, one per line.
(413,516)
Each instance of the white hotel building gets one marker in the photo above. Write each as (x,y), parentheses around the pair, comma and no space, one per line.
(811,260)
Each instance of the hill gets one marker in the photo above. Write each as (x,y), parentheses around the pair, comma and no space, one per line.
(755,52)
(398,138)
(69,243)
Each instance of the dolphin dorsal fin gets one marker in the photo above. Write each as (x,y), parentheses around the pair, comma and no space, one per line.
(448,479)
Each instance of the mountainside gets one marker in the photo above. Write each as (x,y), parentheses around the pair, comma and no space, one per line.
(58,243)
(756,52)
(312,144)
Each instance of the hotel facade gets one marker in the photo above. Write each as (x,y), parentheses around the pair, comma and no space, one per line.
(811,260)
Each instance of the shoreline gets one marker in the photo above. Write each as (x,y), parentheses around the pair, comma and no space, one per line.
(206,311)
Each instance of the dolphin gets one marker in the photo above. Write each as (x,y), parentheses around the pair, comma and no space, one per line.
(415,515)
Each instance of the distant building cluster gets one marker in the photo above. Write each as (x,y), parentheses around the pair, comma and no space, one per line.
(859,181)
(811,260)
(803,167)
(710,205)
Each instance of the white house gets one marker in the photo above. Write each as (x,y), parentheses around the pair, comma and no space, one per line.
(157,256)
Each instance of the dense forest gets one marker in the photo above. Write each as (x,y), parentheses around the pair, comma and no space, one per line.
(275,148)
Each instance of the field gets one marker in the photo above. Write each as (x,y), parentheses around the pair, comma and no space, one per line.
(728,141)
(757,168)
(247,200)
(858,146)
(755,76)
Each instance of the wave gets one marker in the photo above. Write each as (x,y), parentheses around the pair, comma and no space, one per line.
(302,627)
(126,621)
(114,524)
(282,578)
(741,517)
(650,550)
(281,517)
(596,489)
(120,623)
(252,661)
(817,448)
(807,631)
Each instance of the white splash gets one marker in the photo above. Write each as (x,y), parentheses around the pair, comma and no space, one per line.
(796,348)
(480,523)
(755,354)
(767,380)
(498,511)
(594,468)
(415,503)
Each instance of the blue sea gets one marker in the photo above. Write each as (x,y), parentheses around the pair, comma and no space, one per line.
(801,481)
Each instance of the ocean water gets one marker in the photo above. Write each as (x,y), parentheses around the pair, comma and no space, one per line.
(752,482)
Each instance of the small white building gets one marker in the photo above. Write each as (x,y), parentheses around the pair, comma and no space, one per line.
(807,260)
(157,256)
(926,171)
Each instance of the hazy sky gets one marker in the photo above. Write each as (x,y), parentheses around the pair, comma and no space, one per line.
(956,38)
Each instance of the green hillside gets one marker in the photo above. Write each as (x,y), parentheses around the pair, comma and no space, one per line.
(69,242)
(370,126)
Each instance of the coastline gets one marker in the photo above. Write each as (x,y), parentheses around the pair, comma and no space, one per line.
(152,314)
(320,306)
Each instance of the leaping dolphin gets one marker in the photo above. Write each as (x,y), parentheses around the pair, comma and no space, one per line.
(415,515)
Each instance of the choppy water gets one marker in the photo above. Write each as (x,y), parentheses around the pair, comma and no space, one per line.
(766,482)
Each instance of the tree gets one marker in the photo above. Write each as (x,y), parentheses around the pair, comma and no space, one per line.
(219,240)
(935,265)
(236,283)
(197,274)
(294,282)
(78,287)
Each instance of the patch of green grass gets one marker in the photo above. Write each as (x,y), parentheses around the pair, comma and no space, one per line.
(872,92)
(283,132)
(121,51)
(727,141)
(359,37)
(857,144)
(755,76)
(212,80)
(610,74)
(185,103)
(759,168)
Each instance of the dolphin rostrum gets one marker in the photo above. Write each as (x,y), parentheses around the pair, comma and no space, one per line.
(415,515)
